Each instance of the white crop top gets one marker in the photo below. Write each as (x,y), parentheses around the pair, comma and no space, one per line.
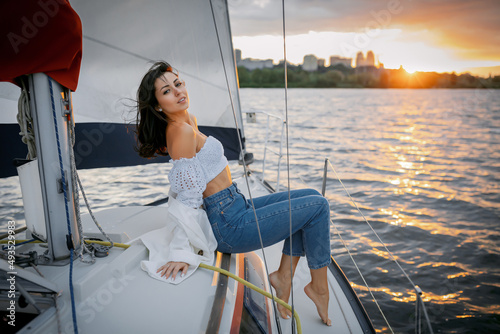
(189,177)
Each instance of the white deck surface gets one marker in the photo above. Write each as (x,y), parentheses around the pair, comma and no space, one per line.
(115,295)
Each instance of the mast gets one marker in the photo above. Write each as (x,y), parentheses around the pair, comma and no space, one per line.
(51,117)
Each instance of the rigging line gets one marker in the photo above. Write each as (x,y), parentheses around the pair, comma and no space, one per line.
(133,54)
(390,254)
(244,165)
(74,174)
(357,268)
(376,234)
(366,221)
(361,275)
(69,236)
(288,157)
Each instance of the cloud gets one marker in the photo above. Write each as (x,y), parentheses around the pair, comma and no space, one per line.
(470,28)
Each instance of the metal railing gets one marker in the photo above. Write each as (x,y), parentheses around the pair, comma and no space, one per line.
(251,117)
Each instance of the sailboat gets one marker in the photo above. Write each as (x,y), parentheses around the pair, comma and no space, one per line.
(47,288)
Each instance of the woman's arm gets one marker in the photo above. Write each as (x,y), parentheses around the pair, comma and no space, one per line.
(181,141)
(173,268)
(181,255)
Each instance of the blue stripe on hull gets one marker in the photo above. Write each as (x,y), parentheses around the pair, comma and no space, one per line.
(103,145)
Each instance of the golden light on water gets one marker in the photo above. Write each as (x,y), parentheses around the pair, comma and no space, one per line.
(462,274)
(408,296)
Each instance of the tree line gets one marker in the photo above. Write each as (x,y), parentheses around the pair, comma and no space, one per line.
(339,76)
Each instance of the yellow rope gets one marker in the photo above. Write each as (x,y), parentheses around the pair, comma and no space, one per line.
(206,266)
(19,241)
(255,288)
(106,243)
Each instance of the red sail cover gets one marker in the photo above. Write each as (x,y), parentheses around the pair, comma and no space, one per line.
(40,36)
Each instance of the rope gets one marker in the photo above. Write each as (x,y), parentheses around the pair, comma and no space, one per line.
(83,247)
(228,274)
(78,184)
(259,290)
(288,155)
(69,236)
(34,241)
(25,120)
(16,243)
(244,164)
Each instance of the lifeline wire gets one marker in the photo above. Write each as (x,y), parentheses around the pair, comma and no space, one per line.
(244,164)
(376,234)
(383,244)
(288,157)
(63,179)
(357,268)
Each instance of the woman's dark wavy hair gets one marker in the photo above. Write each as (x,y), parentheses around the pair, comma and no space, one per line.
(150,124)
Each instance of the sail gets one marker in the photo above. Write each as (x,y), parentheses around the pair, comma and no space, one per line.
(121,40)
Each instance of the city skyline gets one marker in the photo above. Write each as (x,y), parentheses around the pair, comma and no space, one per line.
(361,59)
(440,36)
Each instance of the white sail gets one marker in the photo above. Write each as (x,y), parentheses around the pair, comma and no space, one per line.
(121,39)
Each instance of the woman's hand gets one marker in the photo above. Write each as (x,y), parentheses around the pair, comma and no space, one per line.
(173,268)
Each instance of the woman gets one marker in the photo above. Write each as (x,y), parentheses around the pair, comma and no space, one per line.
(200,176)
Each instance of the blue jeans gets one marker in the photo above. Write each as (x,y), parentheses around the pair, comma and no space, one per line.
(233,222)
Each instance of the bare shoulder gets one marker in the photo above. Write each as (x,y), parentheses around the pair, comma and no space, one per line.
(195,122)
(181,141)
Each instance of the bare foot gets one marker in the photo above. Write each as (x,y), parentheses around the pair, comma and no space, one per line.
(282,287)
(321,301)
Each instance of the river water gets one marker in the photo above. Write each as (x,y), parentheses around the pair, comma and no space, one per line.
(423,166)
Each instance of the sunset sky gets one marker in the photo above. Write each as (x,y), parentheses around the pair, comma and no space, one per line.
(421,35)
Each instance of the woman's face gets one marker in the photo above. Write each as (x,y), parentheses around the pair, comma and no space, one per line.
(171,93)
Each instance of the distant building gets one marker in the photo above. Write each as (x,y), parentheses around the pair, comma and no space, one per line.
(310,63)
(336,60)
(370,59)
(288,64)
(362,61)
(237,54)
(252,64)
(321,62)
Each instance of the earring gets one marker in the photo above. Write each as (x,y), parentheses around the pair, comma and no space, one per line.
(160,109)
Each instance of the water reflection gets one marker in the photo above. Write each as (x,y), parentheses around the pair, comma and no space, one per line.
(424,167)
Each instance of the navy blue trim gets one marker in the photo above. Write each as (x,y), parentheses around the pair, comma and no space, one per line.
(104,145)
(357,307)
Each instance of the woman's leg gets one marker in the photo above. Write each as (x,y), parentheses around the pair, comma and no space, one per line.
(317,290)
(310,224)
(311,215)
(281,281)
(282,196)
(233,221)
